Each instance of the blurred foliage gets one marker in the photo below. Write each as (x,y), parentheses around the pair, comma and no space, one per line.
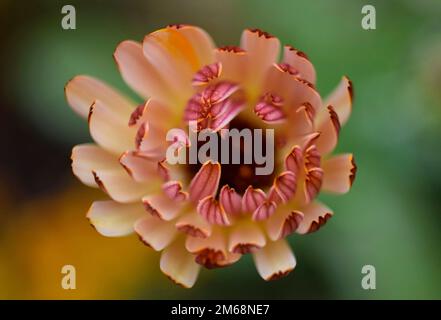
(390,219)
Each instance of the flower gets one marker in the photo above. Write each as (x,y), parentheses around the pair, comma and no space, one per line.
(210,214)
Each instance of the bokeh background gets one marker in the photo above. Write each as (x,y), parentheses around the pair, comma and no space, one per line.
(391,218)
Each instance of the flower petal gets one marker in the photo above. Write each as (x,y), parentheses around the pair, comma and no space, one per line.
(283,223)
(300,62)
(264,210)
(315,216)
(294,91)
(121,187)
(269,109)
(140,74)
(141,169)
(234,62)
(173,189)
(210,209)
(339,173)
(154,232)
(109,130)
(275,260)
(252,199)
(89,157)
(207,74)
(194,225)
(230,200)
(341,99)
(161,206)
(179,265)
(246,237)
(205,182)
(263,50)
(83,90)
(285,185)
(113,219)
(329,130)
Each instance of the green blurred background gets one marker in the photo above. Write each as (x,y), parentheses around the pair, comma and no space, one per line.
(390,219)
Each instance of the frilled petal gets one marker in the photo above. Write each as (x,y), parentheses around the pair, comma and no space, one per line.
(179,265)
(207,74)
(341,99)
(252,199)
(339,173)
(173,189)
(246,237)
(161,206)
(230,200)
(264,210)
(113,219)
(316,215)
(283,223)
(275,260)
(89,157)
(269,109)
(205,182)
(210,209)
(263,50)
(300,62)
(212,251)
(329,129)
(154,232)
(109,129)
(141,169)
(234,62)
(194,225)
(284,187)
(83,90)
(294,91)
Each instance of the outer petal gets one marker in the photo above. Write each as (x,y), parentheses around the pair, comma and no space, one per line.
(83,90)
(140,74)
(263,50)
(162,206)
(315,216)
(329,130)
(109,130)
(275,260)
(179,265)
(246,237)
(141,169)
(300,62)
(121,187)
(114,219)
(205,182)
(341,99)
(234,62)
(89,157)
(154,232)
(194,225)
(283,223)
(339,173)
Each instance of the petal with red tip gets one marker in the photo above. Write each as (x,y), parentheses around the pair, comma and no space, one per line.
(173,189)
(300,62)
(264,210)
(316,215)
(154,232)
(194,225)
(230,200)
(113,219)
(275,260)
(210,209)
(269,109)
(205,182)
(83,90)
(246,237)
(341,99)
(109,130)
(283,223)
(339,173)
(89,157)
(141,169)
(329,129)
(234,62)
(252,199)
(179,265)
(206,74)
(159,205)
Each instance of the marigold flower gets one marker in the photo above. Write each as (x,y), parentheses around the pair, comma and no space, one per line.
(211,214)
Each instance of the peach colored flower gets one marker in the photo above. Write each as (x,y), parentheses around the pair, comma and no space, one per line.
(211,214)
